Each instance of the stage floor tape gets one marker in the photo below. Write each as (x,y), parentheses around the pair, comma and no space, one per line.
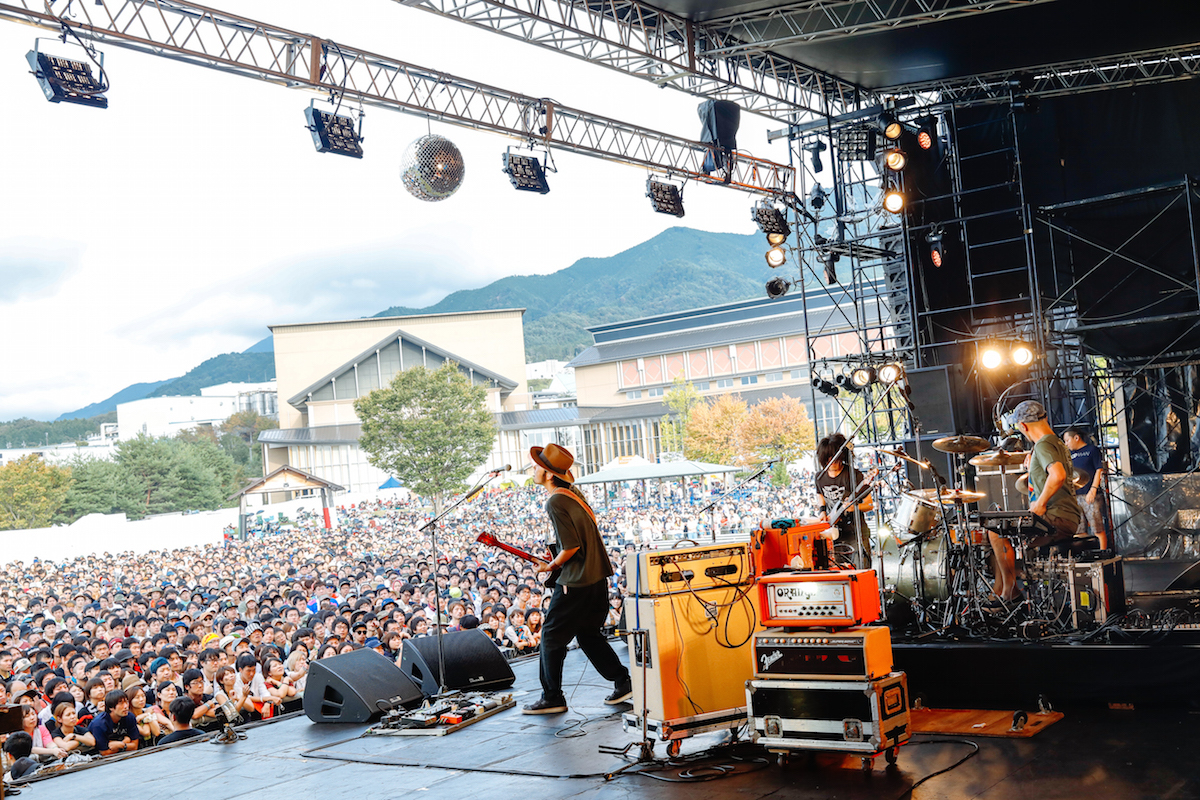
(978,722)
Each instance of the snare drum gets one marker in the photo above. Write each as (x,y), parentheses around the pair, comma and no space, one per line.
(915,515)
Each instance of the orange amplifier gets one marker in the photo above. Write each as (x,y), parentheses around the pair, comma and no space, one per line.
(851,654)
(833,599)
(784,543)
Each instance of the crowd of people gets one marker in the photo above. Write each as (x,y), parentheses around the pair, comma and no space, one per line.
(112,653)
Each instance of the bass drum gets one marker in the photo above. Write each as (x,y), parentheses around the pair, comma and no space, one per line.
(903,571)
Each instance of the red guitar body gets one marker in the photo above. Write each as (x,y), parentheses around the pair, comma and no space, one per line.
(492,541)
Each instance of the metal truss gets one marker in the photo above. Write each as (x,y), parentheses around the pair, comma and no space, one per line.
(639,40)
(1068,78)
(823,20)
(206,37)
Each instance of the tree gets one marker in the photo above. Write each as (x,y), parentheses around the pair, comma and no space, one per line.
(429,428)
(239,438)
(31,492)
(714,429)
(101,487)
(188,474)
(777,429)
(682,398)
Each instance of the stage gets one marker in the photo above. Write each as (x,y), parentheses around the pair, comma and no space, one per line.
(1092,752)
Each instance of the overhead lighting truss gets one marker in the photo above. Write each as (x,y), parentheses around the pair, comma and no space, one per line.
(637,39)
(666,198)
(334,133)
(200,35)
(525,173)
(65,80)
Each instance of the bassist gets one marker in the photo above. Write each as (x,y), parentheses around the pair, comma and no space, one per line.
(840,487)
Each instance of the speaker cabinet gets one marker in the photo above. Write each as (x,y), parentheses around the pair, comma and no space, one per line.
(356,687)
(935,397)
(473,662)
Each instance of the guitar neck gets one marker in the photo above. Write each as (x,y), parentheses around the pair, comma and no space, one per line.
(519,553)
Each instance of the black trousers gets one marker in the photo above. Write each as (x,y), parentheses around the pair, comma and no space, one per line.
(577,612)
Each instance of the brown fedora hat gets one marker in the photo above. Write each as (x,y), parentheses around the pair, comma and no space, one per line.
(554,459)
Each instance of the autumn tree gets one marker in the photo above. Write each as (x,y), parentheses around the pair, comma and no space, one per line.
(31,492)
(777,429)
(238,436)
(714,430)
(429,428)
(682,398)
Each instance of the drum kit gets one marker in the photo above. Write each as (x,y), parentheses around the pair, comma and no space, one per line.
(936,559)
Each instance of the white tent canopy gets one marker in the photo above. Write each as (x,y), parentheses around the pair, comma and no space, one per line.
(649,471)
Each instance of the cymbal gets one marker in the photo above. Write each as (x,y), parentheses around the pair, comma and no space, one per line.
(947,496)
(1080,478)
(961,444)
(1000,458)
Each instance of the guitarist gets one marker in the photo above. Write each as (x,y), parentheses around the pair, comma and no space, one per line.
(579,605)
(840,485)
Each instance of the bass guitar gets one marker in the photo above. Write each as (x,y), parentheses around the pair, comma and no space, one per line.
(856,496)
(492,541)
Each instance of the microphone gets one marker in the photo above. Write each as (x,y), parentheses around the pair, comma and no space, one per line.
(498,470)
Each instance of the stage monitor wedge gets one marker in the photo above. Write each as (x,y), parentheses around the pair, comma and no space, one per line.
(357,687)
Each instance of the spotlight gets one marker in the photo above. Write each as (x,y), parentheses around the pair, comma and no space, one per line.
(895,159)
(814,150)
(777,287)
(893,200)
(824,387)
(774,239)
(667,198)
(890,373)
(776,256)
(856,143)
(1021,354)
(937,250)
(890,126)
(991,357)
(817,197)
(770,220)
(333,133)
(863,377)
(64,80)
(846,383)
(526,174)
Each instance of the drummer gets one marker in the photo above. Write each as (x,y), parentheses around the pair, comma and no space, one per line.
(837,482)
(1052,497)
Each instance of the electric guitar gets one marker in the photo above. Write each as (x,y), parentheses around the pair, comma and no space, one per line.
(856,496)
(492,541)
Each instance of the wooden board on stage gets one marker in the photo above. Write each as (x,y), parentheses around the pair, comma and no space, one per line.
(979,722)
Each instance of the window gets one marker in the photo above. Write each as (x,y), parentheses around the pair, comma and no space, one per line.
(774,377)
(749,380)
(725,383)
(654,392)
(702,386)
(795,375)
(634,395)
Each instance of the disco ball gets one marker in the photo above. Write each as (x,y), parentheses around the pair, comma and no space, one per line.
(432,168)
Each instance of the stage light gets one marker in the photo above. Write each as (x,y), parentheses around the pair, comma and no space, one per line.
(774,239)
(526,174)
(824,387)
(863,377)
(991,357)
(667,198)
(937,250)
(814,150)
(1021,354)
(890,373)
(856,143)
(333,133)
(777,287)
(893,200)
(770,220)
(895,160)
(846,383)
(817,197)
(432,168)
(890,126)
(64,80)
(776,256)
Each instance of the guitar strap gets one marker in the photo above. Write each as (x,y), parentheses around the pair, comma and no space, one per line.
(568,493)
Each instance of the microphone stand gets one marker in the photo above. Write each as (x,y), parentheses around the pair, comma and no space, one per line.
(713,504)
(431,526)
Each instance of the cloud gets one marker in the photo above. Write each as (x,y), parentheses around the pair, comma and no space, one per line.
(35,267)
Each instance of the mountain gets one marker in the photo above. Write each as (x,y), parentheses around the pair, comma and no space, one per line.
(678,269)
(245,367)
(266,345)
(127,395)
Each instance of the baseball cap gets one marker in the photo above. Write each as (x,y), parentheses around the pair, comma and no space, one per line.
(1028,411)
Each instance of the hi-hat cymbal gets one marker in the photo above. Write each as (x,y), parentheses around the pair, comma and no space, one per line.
(961,444)
(1000,458)
(1080,478)
(947,496)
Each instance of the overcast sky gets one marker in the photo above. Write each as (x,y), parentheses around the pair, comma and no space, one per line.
(175,225)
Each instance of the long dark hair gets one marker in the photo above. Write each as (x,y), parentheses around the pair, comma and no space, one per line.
(829,446)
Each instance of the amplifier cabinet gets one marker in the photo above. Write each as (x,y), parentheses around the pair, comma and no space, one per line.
(865,717)
(852,654)
(783,544)
(832,599)
(695,655)
(652,573)
(1097,592)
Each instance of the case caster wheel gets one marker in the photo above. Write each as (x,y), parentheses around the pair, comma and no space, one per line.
(781,759)
(1020,720)
(1044,706)
(868,763)
(892,754)
(673,747)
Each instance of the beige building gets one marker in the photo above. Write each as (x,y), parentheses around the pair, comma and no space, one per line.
(322,367)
